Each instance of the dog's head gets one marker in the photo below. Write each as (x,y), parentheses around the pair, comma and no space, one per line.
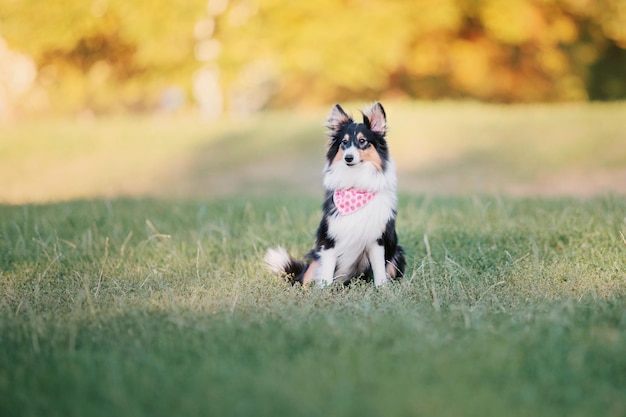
(354,143)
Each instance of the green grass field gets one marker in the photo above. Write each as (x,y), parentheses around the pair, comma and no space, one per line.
(113,302)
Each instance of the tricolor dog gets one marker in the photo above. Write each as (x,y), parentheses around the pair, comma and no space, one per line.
(357,235)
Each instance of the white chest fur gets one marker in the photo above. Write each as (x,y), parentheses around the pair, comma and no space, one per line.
(358,231)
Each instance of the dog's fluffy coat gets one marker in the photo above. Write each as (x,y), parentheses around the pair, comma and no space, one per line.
(362,243)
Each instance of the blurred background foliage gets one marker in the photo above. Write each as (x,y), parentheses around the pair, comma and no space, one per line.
(239,56)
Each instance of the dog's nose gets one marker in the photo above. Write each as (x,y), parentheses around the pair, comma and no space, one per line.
(348,158)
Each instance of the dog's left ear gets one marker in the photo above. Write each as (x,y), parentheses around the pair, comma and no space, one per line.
(375,119)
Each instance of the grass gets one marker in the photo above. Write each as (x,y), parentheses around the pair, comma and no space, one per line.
(131,278)
(155,307)
(443,148)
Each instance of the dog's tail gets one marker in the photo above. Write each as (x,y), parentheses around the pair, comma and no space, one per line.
(280,263)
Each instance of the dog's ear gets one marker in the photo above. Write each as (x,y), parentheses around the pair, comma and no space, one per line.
(375,119)
(337,118)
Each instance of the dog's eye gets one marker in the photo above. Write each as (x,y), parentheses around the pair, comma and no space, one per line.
(362,142)
(344,141)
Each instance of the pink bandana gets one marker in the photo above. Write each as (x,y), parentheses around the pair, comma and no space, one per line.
(350,200)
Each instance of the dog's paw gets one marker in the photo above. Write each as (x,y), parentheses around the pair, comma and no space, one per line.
(381,283)
(325,283)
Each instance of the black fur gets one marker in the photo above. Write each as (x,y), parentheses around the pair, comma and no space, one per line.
(394,253)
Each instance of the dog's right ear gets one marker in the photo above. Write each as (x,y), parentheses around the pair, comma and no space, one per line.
(375,119)
(337,119)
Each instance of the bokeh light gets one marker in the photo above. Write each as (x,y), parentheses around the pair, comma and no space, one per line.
(242,56)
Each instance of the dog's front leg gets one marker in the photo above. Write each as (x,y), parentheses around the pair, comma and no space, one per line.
(376,256)
(326,268)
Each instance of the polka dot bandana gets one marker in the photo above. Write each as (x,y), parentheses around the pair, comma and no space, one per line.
(350,200)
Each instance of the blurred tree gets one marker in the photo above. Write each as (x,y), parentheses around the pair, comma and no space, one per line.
(606,75)
(515,50)
(104,54)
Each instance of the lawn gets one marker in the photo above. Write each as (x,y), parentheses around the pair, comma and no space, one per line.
(131,302)
(440,148)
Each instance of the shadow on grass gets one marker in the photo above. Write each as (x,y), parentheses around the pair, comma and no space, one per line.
(265,158)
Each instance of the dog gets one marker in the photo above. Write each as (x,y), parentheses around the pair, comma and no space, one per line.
(357,236)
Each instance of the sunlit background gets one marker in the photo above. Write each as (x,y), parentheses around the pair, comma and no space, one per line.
(230,62)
